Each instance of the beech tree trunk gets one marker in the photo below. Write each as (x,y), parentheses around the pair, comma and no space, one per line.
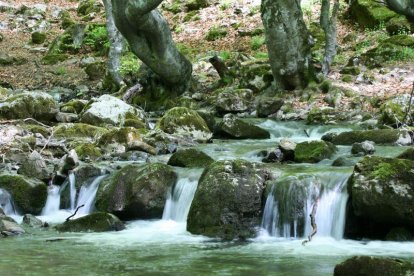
(149,37)
(288,43)
(328,24)
(117,44)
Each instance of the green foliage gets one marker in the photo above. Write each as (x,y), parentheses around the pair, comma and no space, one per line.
(257,42)
(261,55)
(129,64)
(225,4)
(96,37)
(216,33)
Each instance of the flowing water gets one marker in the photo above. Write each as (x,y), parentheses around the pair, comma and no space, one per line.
(87,195)
(6,203)
(163,246)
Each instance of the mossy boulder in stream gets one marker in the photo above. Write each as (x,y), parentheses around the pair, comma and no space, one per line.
(228,200)
(382,191)
(38,105)
(186,122)
(366,265)
(96,222)
(378,136)
(313,151)
(393,111)
(235,128)
(190,158)
(29,195)
(136,191)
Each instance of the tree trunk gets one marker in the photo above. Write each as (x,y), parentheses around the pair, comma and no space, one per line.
(405,7)
(328,24)
(288,43)
(149,37)
(115,51)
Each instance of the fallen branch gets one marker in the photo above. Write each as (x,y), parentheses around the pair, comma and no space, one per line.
(47,142)
(313,223)
(306,132)
(74,214)
(220,67)
(24,121)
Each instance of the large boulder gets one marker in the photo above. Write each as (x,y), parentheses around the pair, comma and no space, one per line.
(267,106)
(370,13)
(393,111)
(235,128)
(37,105)
(313,151)
(96,222)
(35,166)
(378,136)
(230,100)
(8,227)
(110,110)
(86,7)
(136,191)
(381,194)
(185,122)
(228,200)
(78,130)
(367,266)
(190,158)
(29,195)
(407,154)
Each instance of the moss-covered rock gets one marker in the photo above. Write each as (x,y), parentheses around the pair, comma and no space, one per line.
(366,265)
(73,106)
(407,154)
(110,110)
(124,136)
(324,115)
(228,200)
(370,13)
(38,105)
(78,130)
(398,25)
(29,195)
(190,158)
(96,222)
(136,191)
(230,100)
(313,151)
(235,128)
(185,122)
(256,74)
(216,32)
(38,37)
(88,152)
(378,136)
(382,191)
(86,7)
(96,70)
(267,106)
(393,111)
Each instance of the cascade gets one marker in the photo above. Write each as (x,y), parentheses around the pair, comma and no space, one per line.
(179,198)
(87,195)
(72,187)
(52,201)
(6,203)
(290,202)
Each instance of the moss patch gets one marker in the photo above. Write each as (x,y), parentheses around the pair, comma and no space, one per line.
(313,151)
(190,158)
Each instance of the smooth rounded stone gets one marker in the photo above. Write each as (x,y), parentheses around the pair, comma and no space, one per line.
(287,147)
(96,222)
(141,146)
(407,154)
(29,195)
(35,166)
(235,128)
(399,234)
(230,100)
(73,106)
(185,122)
(378,136)
(365,148)
(382,191)
(136,191)
(367,266)
(190,158)
(228,200)
(110,110)
(268,106)
(66,117)
(32,221)
(69,162)
(313,151)
(343,162)
(8,227)
(118,139)
(274,156)
(38,105)
(38,37)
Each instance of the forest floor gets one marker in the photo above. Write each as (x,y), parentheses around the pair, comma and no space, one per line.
(238,17)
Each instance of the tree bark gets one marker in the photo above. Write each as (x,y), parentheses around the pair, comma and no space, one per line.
(288,43)
(328,24)
(405,7)
(149,37)
(117,44)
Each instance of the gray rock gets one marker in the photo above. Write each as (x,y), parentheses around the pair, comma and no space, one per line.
(268,106)
(96,222)
(66,117)
(70,161)
(32,221)
(10,228)
(235,128)
(35,166)
(365,148)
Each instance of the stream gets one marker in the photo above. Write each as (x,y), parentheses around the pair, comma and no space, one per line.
(154,247)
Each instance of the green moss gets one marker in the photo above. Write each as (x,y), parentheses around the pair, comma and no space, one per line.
(96,222)
(398,25)
(86,7)
(78,130)
(88,151)
(216,33)
(73,106)
(407,154)
(401,40)
(181,117)
(313,151)
(38,37)
(347,78)
(51,59)
(257,42)
(371,14)
(29,195)
(386,169)
(325,86)
(379,136)
(190,158)
(37,129)
(96,38)
(122,135)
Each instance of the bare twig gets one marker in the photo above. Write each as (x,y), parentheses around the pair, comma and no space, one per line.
(47,142)
(408,111)
(313,223)
(24,121)
(74,214)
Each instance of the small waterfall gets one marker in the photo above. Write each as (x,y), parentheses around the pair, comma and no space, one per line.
(6,203)
(53,200)
(87,195)
(180,197)
(290,201)
(72,187)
